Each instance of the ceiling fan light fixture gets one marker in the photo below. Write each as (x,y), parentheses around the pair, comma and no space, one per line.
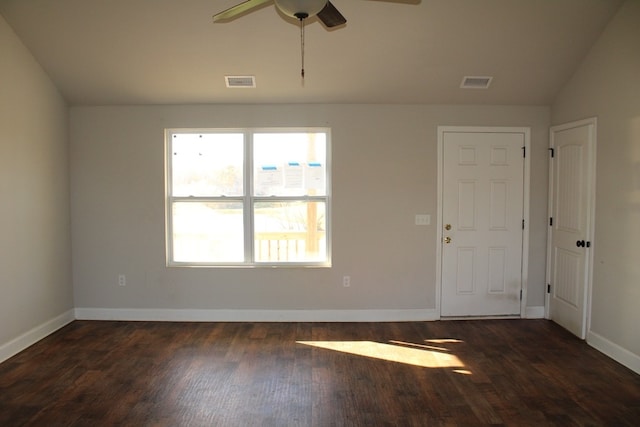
(297,8)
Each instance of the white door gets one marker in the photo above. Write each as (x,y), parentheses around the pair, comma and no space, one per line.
(482,222)
(571,201)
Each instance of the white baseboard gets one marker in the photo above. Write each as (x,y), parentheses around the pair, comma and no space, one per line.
(534,312)
(173,315)
(31,337)
(614,351)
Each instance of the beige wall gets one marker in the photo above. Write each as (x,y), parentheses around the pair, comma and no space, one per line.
(384,172)
(35,264)
(607,86)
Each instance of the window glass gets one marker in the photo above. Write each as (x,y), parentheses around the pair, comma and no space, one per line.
(289,164)
(207,164)
(208,232)
(290,231)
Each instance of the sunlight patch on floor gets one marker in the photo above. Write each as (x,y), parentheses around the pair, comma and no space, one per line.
(410,344)
(444,341)
(421,356)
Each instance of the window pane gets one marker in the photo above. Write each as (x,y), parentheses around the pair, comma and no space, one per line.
(208,232)
(289,164)
(209,164)
(290,231)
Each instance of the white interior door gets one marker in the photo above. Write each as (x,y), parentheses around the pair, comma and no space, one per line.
(571,204)
(482,222)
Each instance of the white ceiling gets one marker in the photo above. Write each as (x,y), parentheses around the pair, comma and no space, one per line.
(101,52)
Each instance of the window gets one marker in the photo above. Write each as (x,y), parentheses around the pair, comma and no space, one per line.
(248,197)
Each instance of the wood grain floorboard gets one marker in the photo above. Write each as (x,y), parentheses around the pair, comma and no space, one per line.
(449,373)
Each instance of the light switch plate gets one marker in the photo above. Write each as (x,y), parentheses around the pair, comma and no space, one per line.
(423,219)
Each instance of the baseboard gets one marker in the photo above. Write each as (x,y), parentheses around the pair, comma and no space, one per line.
(173,315)
(31,337)
(534,312)
(614,351)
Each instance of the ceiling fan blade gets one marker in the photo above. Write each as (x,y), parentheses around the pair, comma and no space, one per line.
(330,16)
(238,9)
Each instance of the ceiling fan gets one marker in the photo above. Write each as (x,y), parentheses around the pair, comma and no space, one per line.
(299,9)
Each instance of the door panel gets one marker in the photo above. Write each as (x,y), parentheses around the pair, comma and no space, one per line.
(571,187)
(482,202)
(497,270)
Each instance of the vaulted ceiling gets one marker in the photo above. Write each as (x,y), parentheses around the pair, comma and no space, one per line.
(101,52)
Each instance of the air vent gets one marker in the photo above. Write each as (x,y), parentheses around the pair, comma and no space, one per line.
(476,82)
(240,81)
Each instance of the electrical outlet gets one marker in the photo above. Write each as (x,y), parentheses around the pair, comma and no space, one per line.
(346,281)
(122,280)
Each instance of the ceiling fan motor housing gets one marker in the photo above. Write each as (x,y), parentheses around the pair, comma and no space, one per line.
(297,8)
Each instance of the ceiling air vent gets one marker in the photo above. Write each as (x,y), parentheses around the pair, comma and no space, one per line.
(240,81)
(476,82)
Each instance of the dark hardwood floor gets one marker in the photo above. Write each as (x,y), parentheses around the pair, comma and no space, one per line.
(449,373)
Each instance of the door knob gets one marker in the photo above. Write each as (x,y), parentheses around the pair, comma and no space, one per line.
(446,239)
(583,244)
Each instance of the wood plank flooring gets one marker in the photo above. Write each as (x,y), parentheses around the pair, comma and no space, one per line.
(449,373)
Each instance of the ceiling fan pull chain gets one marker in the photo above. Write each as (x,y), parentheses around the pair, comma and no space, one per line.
(302,46)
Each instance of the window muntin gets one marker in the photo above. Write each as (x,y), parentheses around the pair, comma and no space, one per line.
(249,197)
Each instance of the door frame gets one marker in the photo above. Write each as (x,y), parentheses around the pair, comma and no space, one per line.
(591,176)
(526,131)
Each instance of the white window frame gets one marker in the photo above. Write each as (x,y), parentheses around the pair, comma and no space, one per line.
(247,200)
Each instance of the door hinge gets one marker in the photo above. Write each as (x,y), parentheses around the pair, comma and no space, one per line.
(553,152)
(523,224)
(524,152)
(550,221)
(548,288)
(520,294)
